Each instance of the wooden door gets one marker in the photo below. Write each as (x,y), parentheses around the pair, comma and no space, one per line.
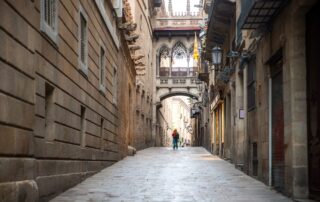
(277,127)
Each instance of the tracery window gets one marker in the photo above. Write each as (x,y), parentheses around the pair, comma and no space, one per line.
(164,61)
(179,55)
(164,57)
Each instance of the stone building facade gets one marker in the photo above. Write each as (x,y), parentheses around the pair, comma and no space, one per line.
(141,13)
(173,44)
(174,113)
(67,86)
(182,122)
(164,123)
(267,86)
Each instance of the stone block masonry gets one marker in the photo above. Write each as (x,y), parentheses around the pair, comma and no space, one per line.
(57,126)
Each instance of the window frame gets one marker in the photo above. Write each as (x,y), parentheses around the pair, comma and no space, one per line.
(44,26)
(102,69)
(83,66)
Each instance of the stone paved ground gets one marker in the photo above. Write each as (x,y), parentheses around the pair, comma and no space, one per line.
(161,174)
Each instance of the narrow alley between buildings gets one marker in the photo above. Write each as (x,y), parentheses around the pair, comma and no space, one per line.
(163,174)
(87,84)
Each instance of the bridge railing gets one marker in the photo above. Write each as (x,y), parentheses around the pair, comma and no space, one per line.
(177,71)
(164,71)
(176,81)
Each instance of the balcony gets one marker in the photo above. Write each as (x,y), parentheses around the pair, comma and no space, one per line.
(255,13)
(177,72)
(176,81)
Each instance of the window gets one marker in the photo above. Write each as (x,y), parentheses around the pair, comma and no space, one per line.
(251,85)
(101,134)
(83,40)
(164,61)
(179,60)
(115,85)
(49,112)
(179,55)
(191,62)
(49,19)
(83,126)
(102,70)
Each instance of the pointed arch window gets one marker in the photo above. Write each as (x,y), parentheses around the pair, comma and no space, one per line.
(164,57)
(164,61)
(179,56)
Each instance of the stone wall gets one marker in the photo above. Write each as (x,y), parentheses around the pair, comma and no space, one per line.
(287,34)
(142,138)
(56,126)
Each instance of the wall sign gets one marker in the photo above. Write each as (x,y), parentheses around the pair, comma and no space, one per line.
(241,114)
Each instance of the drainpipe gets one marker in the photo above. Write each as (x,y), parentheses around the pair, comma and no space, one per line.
(270,131)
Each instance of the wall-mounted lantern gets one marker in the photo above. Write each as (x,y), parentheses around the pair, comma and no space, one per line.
(216,55)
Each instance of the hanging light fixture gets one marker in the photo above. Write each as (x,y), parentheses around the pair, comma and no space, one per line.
(216,55)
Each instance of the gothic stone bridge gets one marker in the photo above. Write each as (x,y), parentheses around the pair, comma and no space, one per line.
(176,71)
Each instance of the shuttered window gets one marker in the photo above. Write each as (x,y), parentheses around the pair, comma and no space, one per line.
(49,13)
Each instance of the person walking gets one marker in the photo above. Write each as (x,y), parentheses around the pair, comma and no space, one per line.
(175,138)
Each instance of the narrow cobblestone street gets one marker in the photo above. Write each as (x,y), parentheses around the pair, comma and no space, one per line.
(161,174)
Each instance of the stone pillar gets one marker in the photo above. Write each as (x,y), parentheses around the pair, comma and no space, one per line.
(296,100)
(170,71)
(239,130)
(158,64)
(188,68)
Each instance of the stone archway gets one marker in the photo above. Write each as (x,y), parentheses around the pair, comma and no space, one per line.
(181,93)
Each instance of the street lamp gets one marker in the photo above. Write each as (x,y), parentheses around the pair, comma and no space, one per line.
(216,55)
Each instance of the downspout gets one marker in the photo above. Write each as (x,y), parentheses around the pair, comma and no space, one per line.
(270,131)
(270,116)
